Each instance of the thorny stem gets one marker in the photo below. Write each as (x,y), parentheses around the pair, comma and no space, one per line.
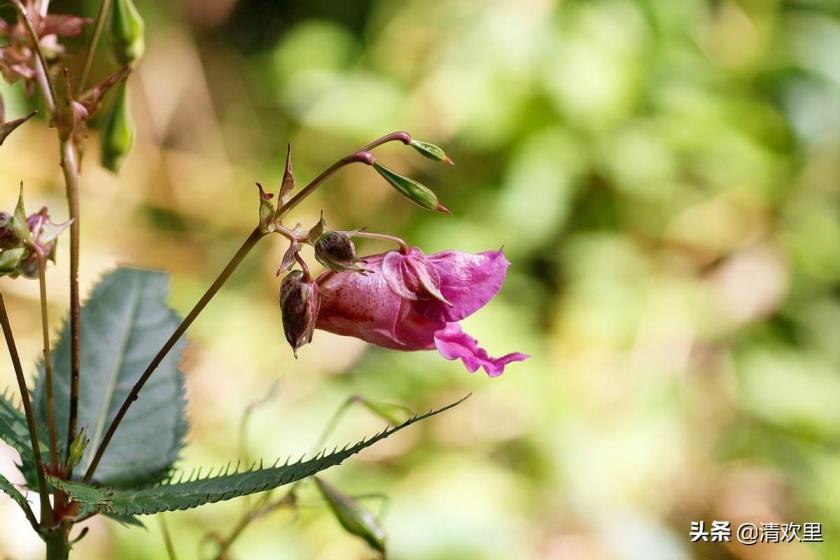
(45,329)
(101,17)
(43,492)
(243,251)
(70,168)
(383,237)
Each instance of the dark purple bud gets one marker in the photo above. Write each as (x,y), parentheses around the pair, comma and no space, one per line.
(299,302)
(336,251)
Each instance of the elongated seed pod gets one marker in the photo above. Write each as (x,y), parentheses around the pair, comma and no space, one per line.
(355,519)
(127,32)
(118,134)
(430,151)
(411,189)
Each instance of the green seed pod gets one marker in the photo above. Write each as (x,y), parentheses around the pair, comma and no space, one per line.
(19,223)
(127,32)
(118,134)
(77,449)
(411,189)
(353,517)
(431,151)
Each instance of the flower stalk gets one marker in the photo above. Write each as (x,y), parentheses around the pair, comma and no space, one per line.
(43,492)
(48,376)
(98,27)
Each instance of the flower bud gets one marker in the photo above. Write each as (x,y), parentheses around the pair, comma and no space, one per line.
(355,519)
(77,449)
(411,189)
(336,251)
(118,134)
(299,303)
(431,151)
(16,231)
(127,32)
(14,235)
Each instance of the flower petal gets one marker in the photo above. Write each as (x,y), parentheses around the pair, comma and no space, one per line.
(453,343)
(362,306)
(468,281)
(393,269)
(427,277)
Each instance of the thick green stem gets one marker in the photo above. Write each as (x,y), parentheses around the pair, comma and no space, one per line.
(58,543)
(45,330)
(70,168)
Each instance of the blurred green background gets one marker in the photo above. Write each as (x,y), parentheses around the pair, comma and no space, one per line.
(665,178)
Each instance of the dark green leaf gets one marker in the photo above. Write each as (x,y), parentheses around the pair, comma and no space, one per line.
(15,432)
(16,495)
(123,325)
(198,491)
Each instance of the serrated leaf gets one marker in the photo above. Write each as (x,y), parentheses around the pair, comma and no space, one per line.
(17,496)
(13,429)
(123,325)
(200,491)
(89,498)
(15,432)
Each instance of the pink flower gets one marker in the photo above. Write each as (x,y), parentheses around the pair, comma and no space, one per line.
(414,302)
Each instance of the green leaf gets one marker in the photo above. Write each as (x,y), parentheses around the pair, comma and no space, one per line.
(15,432)
(89,498)
(123,325)
(198,491)
(16,495)
(13,428)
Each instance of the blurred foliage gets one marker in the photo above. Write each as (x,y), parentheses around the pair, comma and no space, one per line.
(664,177)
